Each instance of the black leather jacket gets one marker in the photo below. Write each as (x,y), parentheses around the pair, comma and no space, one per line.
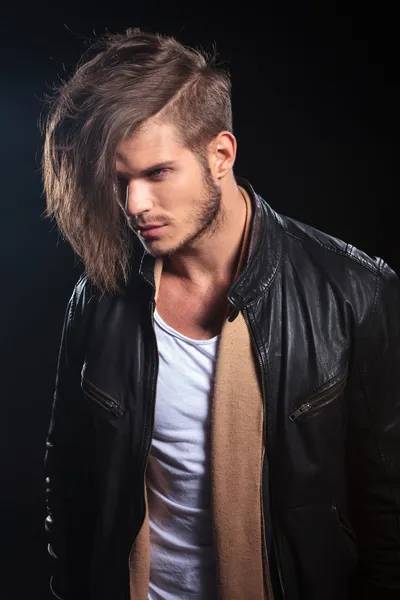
(324,320)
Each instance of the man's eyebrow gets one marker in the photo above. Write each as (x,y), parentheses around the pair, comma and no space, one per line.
(160,165)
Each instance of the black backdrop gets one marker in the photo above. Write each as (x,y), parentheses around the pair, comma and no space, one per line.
(316,95)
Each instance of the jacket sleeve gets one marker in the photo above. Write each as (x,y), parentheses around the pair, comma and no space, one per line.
(374,446)
(69,492)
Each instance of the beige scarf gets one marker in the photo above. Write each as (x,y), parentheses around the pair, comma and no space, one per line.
(237,452)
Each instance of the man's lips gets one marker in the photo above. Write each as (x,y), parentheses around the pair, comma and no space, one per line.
(146,227)
(149,231)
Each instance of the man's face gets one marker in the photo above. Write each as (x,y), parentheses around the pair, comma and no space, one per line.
(164,184)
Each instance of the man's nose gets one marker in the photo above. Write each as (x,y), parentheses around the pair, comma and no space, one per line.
(138,199)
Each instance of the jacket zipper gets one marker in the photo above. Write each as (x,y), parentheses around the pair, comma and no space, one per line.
(344,525)
(320,399)
(154,393)
(264,396)
(153,306)
(101,397)
(264,554)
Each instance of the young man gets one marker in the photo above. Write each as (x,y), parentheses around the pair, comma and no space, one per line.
(226,419)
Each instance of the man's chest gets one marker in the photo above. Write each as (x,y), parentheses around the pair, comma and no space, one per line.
(194,314)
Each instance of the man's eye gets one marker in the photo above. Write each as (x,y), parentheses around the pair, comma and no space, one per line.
(121,190)
(122,183)
(158,173)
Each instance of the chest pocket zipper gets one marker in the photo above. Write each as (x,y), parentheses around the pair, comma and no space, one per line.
(106,401)
(324,396)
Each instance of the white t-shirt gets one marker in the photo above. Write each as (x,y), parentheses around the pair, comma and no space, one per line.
(183,565)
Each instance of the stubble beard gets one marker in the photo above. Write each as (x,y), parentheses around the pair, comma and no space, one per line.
(208,220)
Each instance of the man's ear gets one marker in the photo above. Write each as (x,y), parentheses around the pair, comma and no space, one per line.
(222,154)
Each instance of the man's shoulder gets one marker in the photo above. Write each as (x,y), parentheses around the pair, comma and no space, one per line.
(82,302)
(333,255)
(88,299)
(84,292)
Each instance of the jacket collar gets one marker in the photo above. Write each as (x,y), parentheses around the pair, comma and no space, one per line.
(264,256)
(265,252)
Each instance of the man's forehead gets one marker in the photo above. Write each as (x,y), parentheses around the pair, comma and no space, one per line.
(150,142)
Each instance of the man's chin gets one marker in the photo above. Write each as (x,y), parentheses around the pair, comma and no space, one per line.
(158,248)
(155,250)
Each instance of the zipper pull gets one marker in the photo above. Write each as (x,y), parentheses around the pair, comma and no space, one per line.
(233,315)
(303,408)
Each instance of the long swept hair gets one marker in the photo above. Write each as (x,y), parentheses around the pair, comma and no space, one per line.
(131,77)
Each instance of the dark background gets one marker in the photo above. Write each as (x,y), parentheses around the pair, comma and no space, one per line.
(316,97)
